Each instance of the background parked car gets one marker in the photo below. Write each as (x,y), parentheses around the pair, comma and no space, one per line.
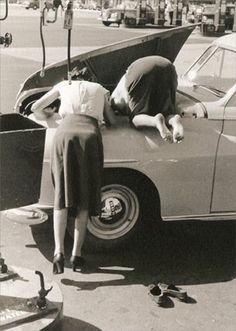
(34,4)
(126,14)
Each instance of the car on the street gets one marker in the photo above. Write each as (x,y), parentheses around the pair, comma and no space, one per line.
(34,4)
(146,178)
(126,15)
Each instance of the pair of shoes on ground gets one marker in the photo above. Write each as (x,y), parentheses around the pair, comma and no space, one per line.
(160,293)
(58,263)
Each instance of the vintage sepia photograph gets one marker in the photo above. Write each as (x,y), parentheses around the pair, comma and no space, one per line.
(117,165)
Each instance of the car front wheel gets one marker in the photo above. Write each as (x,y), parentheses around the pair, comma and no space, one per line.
(121,214)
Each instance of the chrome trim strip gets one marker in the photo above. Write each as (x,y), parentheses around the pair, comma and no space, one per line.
(204,217)
(121,161)
(114,161)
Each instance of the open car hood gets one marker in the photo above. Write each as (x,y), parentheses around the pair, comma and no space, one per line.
(106,65)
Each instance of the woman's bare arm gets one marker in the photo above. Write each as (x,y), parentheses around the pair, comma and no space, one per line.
(44,101)
(108,112)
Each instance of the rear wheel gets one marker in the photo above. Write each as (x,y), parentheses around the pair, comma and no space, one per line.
(129,22)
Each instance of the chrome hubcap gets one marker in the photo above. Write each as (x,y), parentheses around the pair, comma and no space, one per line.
(120,211)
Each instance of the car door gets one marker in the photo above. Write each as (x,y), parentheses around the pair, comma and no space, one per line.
(224,193)
(183,173)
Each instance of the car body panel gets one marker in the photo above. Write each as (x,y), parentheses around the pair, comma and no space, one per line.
(196,93)
(219,108)
(147,153)
(225,174)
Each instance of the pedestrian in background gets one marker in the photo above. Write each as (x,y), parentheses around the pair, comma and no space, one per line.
(170,10)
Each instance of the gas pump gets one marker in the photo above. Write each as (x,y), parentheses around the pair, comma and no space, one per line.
(213,18)
(141,12)
(178,10)
(159,12)
(7,39)
(219,20)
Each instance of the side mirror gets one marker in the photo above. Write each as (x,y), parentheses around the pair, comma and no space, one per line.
(4,10)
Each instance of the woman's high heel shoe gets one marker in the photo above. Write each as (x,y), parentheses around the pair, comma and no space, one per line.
(58,264)
(77,262)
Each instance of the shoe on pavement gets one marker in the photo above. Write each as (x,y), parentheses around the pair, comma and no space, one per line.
(173,291)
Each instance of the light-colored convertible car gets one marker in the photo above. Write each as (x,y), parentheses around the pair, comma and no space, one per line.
(146,178)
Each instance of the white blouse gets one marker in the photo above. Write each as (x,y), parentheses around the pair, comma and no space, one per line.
(82,97)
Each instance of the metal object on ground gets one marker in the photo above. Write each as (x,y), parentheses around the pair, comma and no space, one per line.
(18,309)
(28,215)
(5,272)
(41,302)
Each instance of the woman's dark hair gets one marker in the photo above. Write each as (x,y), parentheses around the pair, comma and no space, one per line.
(82,74)
(56,103)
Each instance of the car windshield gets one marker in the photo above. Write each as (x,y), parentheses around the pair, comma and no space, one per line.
(214,70)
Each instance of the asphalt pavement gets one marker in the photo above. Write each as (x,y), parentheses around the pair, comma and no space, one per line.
(111,292)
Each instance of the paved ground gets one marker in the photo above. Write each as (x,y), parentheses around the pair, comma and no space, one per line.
(111,294)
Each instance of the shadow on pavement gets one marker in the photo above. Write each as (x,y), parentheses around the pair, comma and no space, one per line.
(69,323)
(181,253)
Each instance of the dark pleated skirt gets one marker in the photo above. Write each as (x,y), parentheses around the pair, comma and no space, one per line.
(77,165)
